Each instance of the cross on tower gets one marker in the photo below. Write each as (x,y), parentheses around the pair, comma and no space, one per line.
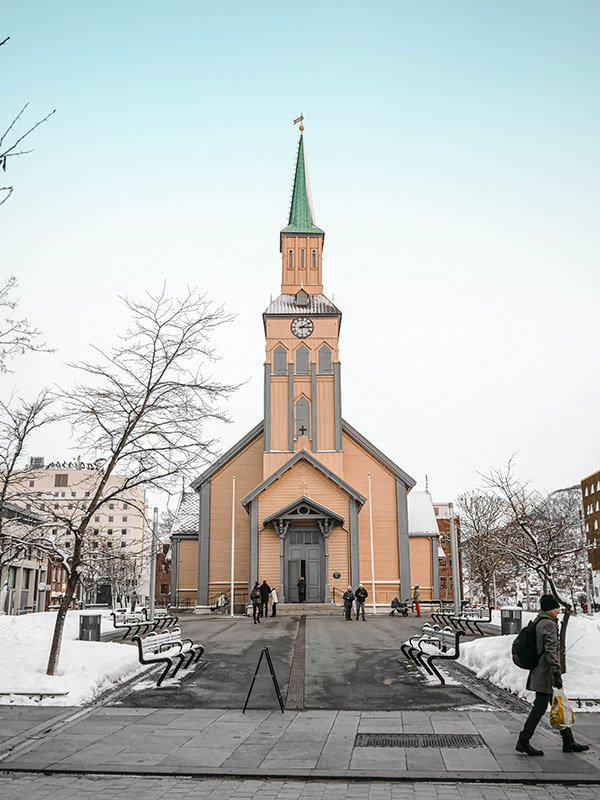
(302,430)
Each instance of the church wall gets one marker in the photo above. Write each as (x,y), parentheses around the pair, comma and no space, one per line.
(325,413)
(357,464)
(279,413)
(293,279)
(187,569)
(301,479)
(339,557)
(420,565)
(247,467)
(279,332)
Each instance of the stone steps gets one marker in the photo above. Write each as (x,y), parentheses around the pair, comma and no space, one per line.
(309,609)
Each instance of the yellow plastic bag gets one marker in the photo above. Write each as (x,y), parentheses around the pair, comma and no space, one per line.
(561,711)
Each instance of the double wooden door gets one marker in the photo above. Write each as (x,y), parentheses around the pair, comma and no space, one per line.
(305,556)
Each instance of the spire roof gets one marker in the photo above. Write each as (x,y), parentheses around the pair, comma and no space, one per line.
(302,214)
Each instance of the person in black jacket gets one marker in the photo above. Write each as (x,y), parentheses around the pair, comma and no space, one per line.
(348,598)
(301,590)
(255,600)
(543,677)
(265,591)
(361,595)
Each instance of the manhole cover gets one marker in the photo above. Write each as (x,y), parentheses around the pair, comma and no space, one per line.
(418,740)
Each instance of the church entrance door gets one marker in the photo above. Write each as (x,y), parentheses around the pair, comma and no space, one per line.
(305,557)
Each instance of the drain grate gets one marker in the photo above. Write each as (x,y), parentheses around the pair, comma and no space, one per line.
(457,740)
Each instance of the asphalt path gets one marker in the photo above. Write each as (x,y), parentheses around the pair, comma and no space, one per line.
(352,665)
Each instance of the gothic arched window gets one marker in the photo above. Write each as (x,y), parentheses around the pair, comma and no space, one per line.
(279,360)
(302,417)
(302,360)
(325,359)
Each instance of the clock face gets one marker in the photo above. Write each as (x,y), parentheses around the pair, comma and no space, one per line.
(302,327)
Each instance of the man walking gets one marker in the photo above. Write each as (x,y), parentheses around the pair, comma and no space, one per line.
(360,595)
(348,598)
(543,677)
(265,591)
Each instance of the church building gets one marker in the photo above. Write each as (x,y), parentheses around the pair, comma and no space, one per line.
(303,494)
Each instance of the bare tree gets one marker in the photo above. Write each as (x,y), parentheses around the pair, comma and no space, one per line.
(483,544)
(538,531)
(144,410)
(17,336)
(11,142)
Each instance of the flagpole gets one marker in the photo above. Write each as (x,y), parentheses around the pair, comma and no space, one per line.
(372,554)
(232,588)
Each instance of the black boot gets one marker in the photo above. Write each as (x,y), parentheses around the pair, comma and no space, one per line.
(569,743)
(524,746)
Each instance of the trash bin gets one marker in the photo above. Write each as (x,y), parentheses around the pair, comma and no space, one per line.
(511,618)
(89,627)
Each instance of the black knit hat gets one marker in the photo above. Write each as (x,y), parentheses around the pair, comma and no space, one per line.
(548,602)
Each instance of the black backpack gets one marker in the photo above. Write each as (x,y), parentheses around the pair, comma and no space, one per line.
(524,649)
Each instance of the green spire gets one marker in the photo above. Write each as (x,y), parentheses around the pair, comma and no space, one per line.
(301,212)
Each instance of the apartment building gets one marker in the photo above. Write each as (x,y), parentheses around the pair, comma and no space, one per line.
(590,494)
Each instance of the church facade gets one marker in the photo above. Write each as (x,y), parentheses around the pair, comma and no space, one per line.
(303,494)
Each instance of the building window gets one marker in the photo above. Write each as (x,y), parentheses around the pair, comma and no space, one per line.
(123,531)
(302,360)
(592,489)
(279,360)
(111,506)
(302,417)
(67,544)
(109,531)
(123,544)
(63,494)
(585,494)
(73,494)
(124,519)
(111,519)
(290,259)
(313,254)
(96,531)
(95,545)
(87,494)
(301,258)
(595,524)
(56,505)
(31,483)
(125,506)
(61,480)
(109,544)
(70,506)
(325,359)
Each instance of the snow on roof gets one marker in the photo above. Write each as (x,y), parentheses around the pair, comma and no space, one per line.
(421,516)
(187,516)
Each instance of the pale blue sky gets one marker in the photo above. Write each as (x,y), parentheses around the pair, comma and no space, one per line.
(453,153)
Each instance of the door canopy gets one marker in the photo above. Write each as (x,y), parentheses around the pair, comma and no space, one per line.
(304,510)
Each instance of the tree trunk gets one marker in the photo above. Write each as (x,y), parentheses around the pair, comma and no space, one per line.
(562,639)
(64,607)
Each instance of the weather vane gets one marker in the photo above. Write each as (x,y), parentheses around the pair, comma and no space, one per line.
(299,120)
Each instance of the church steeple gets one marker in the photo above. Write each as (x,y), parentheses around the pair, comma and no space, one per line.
(302,213)
(301,241)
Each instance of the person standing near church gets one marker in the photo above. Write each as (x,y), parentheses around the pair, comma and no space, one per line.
(545,676)
(416,598)
(348,598)
(361,595)
(255,600)
(265,593)
(274,602)
(301,590)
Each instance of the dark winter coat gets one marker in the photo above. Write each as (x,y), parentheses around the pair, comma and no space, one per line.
(361,594)
(255,596)
(265,591)
(348,597)
(546,638)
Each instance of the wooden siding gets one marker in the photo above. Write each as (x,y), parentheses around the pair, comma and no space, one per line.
(279,412)
(247,468)
(325,412)
(357,464)
(420,565)
(187,568)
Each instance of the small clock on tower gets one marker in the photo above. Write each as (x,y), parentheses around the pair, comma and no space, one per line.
(302,327)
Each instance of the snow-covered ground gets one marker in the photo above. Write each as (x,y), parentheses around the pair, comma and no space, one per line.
(85,668)
(490,658)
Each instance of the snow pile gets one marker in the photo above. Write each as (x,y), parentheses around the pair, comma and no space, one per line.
(85,668)
(490,658)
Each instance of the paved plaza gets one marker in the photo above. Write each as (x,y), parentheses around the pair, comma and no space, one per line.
(417,739)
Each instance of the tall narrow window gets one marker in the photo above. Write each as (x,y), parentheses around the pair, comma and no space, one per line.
(301,259)
(302,360)
(279,360)
(290,259)
(325,359)
(313,254)
(302,417)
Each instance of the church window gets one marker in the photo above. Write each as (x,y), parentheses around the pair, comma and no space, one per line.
(290,259)
(313,258)
(301,259)
(279,360)
(302,418)
(302,298)
(302,360)
(325,359)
